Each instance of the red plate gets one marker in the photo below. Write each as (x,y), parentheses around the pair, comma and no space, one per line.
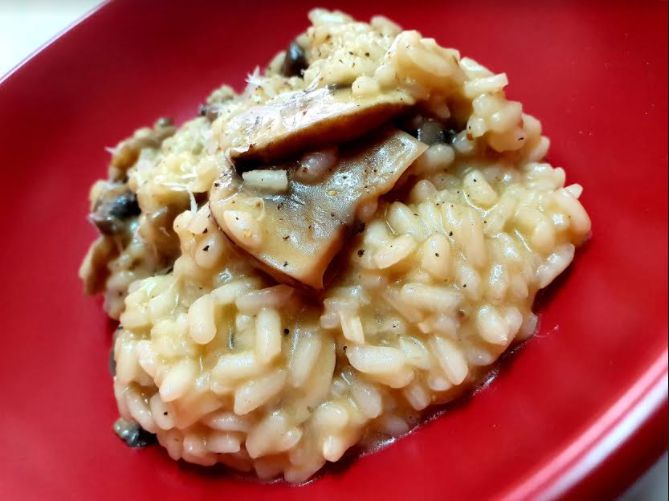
(581,409)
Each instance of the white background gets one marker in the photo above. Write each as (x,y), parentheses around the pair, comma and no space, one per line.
(26,25)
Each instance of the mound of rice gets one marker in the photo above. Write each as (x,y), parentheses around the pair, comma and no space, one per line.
(227,365)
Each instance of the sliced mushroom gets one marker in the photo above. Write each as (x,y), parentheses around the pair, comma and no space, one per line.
(295,234)
(302,120)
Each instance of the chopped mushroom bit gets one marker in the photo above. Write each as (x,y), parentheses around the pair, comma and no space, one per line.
(316,216)
(133,434)
(295,61)
(114,208)
(304,120)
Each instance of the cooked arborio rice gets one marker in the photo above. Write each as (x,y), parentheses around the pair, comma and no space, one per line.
(231,352)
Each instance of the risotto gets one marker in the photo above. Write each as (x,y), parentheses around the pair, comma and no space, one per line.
(310,264)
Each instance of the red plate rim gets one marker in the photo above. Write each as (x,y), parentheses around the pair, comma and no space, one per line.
(639,414)
(627,431)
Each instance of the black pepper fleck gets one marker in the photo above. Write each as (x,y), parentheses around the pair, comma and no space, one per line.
(361,252)
(205,248)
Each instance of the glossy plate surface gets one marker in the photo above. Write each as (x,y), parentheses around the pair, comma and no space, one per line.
(580,409)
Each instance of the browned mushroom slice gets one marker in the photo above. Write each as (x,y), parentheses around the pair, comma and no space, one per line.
(302,120)
(296,233)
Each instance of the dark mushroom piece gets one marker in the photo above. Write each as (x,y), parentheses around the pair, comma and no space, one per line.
(210,111)
(449,135)
(431,132)
(114,209)
(295,234)
(295,61)
(133,434)
(306,120)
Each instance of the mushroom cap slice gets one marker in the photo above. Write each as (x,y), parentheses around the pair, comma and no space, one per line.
(294,235)
(297,121)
